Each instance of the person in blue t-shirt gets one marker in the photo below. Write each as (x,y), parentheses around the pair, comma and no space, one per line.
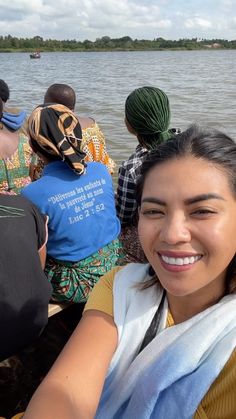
(78,199)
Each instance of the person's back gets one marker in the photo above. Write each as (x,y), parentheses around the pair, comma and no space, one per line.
(25,291)
(147,116)
(81,209)
(79,200)
(93,140)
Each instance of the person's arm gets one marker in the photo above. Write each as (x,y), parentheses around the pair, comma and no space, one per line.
(73,387)
(42,225)
(42,255)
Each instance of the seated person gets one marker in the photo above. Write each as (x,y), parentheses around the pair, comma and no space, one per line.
(78,198)
(147,116)
(93,140)
(15,152)
(164,332)
(24,289)
(12,118)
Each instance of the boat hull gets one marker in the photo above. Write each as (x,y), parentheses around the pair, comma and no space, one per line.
(35,56)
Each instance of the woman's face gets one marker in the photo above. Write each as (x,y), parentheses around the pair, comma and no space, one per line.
(187,225)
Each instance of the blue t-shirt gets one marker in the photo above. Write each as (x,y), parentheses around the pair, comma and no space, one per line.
(81,209)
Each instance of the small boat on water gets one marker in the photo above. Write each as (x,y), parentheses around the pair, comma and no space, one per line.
(35,55)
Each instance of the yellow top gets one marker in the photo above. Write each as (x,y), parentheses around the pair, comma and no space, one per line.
(220,400)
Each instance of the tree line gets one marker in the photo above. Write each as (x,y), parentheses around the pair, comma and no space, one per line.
(105,43)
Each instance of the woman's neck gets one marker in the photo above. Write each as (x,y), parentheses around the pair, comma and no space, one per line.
(9,142)
(184,307)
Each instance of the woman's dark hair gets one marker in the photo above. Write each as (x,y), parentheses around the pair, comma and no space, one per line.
(4,91)
(206,144)
(1,109)
(61,93)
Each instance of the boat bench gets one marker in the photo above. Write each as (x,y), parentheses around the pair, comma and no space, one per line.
(54,308)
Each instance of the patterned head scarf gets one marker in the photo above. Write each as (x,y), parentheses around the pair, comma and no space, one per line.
(148,113)
(55,132)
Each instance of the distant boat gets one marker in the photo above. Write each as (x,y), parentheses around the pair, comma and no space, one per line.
(35,55)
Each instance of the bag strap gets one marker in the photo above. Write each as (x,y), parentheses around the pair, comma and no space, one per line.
(152,329)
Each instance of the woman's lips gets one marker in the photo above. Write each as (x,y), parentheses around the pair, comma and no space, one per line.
(178,262)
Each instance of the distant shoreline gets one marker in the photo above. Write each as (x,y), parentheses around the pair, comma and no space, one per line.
(106,44)
(116,50)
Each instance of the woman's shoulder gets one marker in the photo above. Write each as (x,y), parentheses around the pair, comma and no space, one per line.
(18,201)
(18,212)
(130,273)
(220,400)
(101,297)
(133,273)
(93,132)
(98,168)
(86,122)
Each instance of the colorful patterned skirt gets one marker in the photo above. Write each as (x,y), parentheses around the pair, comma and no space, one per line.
(73,281)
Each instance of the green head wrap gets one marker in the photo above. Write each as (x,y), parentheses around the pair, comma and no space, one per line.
(147,111)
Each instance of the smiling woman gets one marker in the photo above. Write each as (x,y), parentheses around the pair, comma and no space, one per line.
(168,326)
(184,225)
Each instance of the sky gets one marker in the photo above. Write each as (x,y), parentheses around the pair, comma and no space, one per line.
(141,19)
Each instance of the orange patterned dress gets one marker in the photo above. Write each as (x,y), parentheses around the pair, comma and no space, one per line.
(93,144)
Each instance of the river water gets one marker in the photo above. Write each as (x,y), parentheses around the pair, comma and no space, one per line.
(201,86)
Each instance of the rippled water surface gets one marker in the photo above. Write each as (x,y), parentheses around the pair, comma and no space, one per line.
(201,86)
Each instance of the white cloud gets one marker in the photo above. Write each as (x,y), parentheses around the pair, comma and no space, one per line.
(81,19)
(197,22)
(233,22)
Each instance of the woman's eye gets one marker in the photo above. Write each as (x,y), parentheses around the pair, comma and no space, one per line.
(152,212)
(203,211)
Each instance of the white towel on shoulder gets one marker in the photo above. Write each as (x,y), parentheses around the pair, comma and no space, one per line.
(169,378)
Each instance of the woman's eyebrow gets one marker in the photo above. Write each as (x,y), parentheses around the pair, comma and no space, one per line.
(188,201)
(203,197)
(153,201)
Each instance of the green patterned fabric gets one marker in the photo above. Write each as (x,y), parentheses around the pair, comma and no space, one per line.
(14,171)
(72,282)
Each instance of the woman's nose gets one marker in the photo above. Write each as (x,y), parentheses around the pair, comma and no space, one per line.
(175,230)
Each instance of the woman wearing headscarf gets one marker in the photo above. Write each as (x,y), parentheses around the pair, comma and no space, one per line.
(93,139)
(78,198)
(147,116)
